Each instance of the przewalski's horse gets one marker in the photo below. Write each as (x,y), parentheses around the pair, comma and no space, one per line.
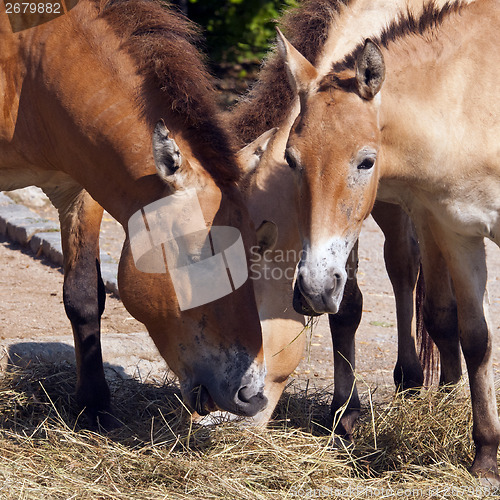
(81,96)
(415,111)
(324,30)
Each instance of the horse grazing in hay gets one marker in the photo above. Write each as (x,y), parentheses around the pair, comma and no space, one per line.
(413,111)
(83,97)
(324,30)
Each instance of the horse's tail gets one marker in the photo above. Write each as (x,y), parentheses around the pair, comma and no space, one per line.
(428,352)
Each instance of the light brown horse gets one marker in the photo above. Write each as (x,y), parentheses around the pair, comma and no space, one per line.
(81,97)
(324,29)
(416,112)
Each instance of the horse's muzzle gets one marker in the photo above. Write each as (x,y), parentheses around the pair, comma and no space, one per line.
(300,304)
(245,400)
(321,295)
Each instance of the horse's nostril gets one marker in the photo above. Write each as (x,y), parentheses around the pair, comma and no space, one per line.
(337,282)
(301,282)
(245,394)
(253,401)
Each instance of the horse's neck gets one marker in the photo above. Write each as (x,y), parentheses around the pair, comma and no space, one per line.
(435,113)
(362,19)
(84,104)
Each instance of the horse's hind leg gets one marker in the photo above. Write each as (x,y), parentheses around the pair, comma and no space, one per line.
(466,261)
(343,325)
(402,261)
(440,307)
(84,295)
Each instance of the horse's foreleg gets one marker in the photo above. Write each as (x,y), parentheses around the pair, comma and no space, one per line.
(343,325)
(402,261)
(84,295)
(440,307)
(467,264)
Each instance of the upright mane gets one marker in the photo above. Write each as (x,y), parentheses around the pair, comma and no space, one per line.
(268,102)
(430,19)
(163,45)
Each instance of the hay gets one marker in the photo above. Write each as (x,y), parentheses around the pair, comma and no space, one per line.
(407,447)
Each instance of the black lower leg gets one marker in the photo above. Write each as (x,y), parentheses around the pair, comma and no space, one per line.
(345,407)
(84,299)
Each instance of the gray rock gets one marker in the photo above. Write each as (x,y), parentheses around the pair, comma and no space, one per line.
(23,226)
(5,200)
(29,196)
(23,230)
(109,272)
(14,215)
(51,247)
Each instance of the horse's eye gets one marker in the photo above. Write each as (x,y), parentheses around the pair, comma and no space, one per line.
(290,160)
(366,164)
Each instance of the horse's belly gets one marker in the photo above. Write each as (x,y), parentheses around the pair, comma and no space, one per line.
(16,178)
(469,218)
(473,214)
(469,211)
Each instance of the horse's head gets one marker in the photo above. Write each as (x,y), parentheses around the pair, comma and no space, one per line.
(184,274)
(332,151)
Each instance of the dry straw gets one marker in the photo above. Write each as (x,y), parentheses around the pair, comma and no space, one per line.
(405,447)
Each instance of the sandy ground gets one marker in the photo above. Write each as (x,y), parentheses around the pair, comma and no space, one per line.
(33,324)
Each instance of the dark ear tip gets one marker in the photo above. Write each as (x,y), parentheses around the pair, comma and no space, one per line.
(161,128)
(371,45)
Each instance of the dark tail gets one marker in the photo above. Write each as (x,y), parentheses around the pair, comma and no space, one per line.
(428,352)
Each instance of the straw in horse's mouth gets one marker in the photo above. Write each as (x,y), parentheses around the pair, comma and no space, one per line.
(203,402)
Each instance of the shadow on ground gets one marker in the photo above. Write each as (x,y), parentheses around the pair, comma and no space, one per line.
(38,387)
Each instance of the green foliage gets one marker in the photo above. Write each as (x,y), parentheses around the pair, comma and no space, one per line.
(237,30)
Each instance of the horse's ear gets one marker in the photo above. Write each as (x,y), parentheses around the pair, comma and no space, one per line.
(300,71)
(250,156)
(370,70)
(267,236)
(166,153)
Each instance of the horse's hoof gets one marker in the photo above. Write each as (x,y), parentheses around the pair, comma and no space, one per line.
(101,421)
(344,424)
(485,468)
(408,391)
(107,422)
(490,482)
(408,381)
(342,442)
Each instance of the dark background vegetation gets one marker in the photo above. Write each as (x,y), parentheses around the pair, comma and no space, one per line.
(236,31)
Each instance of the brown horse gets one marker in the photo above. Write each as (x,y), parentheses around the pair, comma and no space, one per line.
(322,29)
(418,116)
(81,96)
